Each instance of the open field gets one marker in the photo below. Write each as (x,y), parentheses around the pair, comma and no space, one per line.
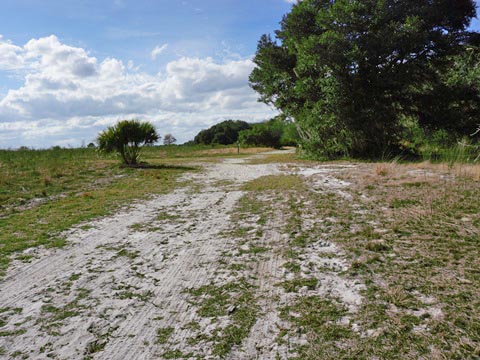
(210,255)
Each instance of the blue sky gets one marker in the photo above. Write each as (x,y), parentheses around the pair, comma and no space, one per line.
(70,68)
(126,29)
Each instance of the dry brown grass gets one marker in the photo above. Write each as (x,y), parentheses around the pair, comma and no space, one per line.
(425,172)
(431,218)
(384,169)
(468,171)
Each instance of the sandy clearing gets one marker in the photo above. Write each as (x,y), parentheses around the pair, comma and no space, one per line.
(123,277)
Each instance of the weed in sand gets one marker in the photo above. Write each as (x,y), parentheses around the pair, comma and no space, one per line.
(296,284)
(215,301)
(163,334)
(6,333)
(175,354)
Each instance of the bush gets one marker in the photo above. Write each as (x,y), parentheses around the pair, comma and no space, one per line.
(275,133)
(224,133)
(127,138)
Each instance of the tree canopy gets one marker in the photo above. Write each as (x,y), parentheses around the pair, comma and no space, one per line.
(275,133)
(354,74)
(169,139)
(224,133)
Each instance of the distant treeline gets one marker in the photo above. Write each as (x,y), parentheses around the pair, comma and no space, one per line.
(276,132)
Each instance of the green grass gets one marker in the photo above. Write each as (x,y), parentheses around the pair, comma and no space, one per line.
(462,152)
(128,254)
(91,187)
(318,318)
(43,225)
(175,354)
(428,247)
(297,284)
(95,347)
(215,301)
(28,174)
(163,334)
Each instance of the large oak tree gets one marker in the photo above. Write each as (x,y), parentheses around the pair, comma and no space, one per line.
(353,73)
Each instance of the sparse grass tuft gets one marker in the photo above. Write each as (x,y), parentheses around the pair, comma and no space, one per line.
(236,299)
(163,334)
(277,183)
(296,284)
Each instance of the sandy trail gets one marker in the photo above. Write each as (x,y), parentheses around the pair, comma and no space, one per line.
(123,277)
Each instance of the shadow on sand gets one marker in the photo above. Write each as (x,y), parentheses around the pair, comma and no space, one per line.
(146,166)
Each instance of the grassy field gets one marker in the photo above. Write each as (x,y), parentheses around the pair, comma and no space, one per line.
(410,232)
(417,245)
(44,192)
(42,174)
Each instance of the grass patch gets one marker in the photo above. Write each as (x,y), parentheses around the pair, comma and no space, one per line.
(163,334)
(419,261)
(292,267)
(296,284)
(277,183)
(319,319)
(175,354)
(43,224)
(236,300)
(95,347)
(402,203)
(166,216)
(12,332)
(254,250)
(128,254)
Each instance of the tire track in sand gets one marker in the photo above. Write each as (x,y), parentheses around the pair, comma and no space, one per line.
(105,295)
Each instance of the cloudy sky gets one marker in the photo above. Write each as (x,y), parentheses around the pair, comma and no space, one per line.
(69,68)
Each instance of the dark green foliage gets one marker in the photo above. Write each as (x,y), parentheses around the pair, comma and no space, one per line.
(275,133)
(262,135)
(463,79)
(352,72)
(126,138)
(290,136)
(224,133)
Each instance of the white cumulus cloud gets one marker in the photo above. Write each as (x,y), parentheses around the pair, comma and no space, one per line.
(11,56)
(69,94)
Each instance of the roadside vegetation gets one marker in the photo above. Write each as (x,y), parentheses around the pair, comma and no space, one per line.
(410,234)
(368,88)
(45,192)
(373,253)
(275,133)
(414,239)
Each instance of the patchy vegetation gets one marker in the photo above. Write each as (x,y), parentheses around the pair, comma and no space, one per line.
(264,257)
(368,88)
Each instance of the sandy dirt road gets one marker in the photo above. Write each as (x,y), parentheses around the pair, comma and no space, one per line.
(122,288)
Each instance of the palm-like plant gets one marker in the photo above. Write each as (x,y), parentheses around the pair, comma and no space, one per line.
(127,138)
